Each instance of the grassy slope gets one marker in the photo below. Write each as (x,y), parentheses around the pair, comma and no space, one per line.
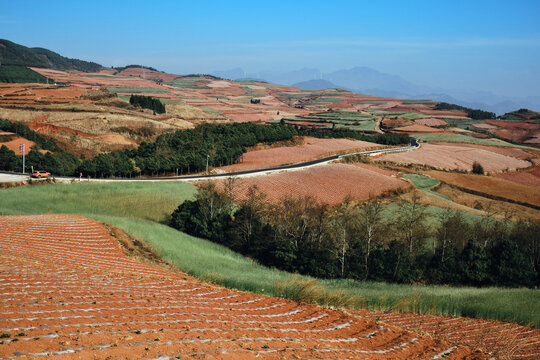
(137,207)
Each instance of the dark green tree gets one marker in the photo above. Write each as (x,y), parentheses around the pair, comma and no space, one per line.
(474,264)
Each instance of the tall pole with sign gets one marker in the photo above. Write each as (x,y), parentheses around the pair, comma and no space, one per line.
(22,150)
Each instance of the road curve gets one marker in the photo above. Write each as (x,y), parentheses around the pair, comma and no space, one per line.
(243,173)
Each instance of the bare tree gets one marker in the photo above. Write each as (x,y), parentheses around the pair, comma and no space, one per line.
(343,227)
(211,202)
(411,223)
(253,209)
(371,219)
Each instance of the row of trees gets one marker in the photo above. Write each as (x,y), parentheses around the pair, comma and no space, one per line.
(147,102)
(185,151)
(60,163)
(384,139)
(367,241)
(472,113)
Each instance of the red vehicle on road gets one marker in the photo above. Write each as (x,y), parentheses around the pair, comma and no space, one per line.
(41,173)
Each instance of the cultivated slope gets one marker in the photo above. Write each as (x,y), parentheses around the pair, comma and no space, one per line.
(69,292)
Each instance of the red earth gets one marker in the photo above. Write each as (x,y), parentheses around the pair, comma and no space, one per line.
(446,156)
(330,183)
(69,292)
(312,148)
(508,341)
(529,177)
(431,122)
(491,185)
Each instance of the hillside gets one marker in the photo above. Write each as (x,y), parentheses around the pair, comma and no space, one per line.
(15,54)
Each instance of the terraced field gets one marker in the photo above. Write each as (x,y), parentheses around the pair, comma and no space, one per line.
(508,341)
(69,292)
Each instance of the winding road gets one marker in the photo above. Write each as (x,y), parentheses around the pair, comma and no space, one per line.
(10,176)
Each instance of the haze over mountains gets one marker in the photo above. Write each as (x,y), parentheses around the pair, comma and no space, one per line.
(369,81)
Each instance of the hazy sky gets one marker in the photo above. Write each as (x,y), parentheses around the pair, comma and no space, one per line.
(485,45)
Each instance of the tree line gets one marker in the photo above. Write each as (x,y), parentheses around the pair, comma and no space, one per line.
(147,102)
(183,151)
(472,113)
(365,241)
(383,139)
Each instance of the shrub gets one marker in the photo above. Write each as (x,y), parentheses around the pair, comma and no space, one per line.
(477,168)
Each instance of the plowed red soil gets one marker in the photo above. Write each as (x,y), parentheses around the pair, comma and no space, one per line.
(312,148)
(67,291)
(491,185)
(527,177)
(431,122)
(509,341)
(417,128)
(329,183)
(503,150)
(456,157)
(13,145)
(484,126)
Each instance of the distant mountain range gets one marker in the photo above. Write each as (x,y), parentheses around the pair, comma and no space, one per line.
(365,80)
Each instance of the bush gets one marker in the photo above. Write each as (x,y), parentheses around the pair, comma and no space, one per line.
(477,168)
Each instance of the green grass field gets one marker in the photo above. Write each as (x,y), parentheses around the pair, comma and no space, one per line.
(426,183)
(139,208)
(422,182)
(467,139)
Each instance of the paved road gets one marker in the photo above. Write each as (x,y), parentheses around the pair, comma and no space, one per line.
(244,173)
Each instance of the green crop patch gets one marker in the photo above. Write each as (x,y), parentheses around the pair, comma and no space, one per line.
(467,139)
(212,111)
(422,182)
(331,99)
(138,90)
(294,96)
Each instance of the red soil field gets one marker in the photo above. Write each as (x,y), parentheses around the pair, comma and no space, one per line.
(508,341)
(533,140)
(431,122)
(329,183)
(514,124)
(503,150)
(312,148)
(417,128)
(527,177)
(484,126)
(455,157)
(14,145)
(490,185)
(67,291)
(32,93)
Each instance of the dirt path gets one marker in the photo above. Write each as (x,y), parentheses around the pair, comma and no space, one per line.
(68,291)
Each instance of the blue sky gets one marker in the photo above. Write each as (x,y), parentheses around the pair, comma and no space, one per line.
(482,45)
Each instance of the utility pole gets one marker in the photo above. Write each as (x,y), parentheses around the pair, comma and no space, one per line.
(22,149)
(207,158)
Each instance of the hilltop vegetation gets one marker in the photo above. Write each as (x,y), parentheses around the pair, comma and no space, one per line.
(21,74)
(520,115)
(15,54)
(472,113)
